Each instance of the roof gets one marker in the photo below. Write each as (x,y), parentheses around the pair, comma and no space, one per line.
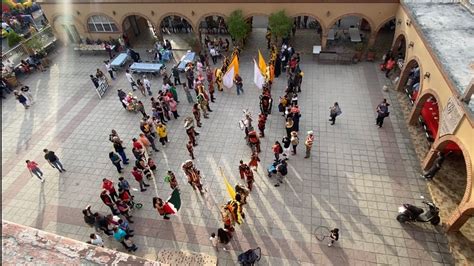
(449,30)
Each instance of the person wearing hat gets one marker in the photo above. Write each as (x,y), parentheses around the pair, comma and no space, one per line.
(294,141)
(309,143)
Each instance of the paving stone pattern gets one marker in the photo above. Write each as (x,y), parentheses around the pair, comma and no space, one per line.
(355,180)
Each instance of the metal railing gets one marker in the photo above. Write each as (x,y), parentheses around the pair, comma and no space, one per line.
(38,41)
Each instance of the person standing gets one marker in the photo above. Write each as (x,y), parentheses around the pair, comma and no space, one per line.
(286,146)
(173,108)
(131,80)
(334,111)
(382,112)
(115,161)
(21,99)
(262,120)
(190,148)
(171,178)
(25,90)
(277,149)
(141,87)
(53,160)
(121,151)
(141,108)
(289,126)
(147,84)
(254,159)
(294,141)
(197,114)
(122,95)
(159,205)
(138,175)
(34,169)
(189,126)
(123,184)
(162,133)
(109,186)
(107,200)
(309,143)
(242,167)
(250,178)
(239,84)
(175,73)
(119,235)
(109,68)
(190,76)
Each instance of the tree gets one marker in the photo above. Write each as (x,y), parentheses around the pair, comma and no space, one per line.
(280,24)
(238,27)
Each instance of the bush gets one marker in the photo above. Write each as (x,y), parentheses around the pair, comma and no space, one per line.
(13,39)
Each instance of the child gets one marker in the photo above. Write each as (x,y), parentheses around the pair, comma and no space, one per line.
(214,241)
(129,244)
(334,236)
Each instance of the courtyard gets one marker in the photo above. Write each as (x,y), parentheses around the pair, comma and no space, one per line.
(357,177)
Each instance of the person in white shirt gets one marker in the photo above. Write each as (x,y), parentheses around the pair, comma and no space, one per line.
(213,53)
(108,66)
(131,80)
(96,240)
(147,84)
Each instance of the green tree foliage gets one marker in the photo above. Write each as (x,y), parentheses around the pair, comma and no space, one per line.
(280,24)
(238,27)
(13,39)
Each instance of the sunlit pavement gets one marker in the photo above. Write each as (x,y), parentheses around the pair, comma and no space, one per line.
(355,180)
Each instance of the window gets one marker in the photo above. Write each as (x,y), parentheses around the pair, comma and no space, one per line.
(101,24)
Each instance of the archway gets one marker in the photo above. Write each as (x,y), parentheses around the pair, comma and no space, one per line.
(348,34)
(65,27)
(138,31)
(427,110)
(384,38)
(179,31)
(306,33)
(452,185)
(399,48)
(409,79)
(258,24)
(213,32)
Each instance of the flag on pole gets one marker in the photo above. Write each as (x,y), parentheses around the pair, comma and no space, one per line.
(258,78)
(232,70)
(229,187)
(173,204)
(261,63)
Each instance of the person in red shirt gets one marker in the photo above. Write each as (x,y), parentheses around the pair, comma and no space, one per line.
(139,177)
(34,169)
(262,120)
(242,168)
(277,149)
(137,145)
(108,201)
(109,186)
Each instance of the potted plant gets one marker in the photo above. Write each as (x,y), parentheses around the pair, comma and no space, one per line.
(280,24)
(238,28)
(371,54)
(358,54)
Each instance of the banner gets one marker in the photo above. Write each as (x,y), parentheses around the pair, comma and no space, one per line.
(230,189)
(258,78)
(261,63)
(235,64)
(228,79)
(173,203)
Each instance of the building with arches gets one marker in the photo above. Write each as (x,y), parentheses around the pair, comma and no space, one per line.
(445,76)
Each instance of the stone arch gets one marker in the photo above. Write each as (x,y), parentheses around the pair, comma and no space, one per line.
(76,22)
(247,16)
(119,26)
(190,21)
(420,102)
(406,71)
(204,16)
(461,214)
(317,18)
(385,21)
(369,20)
(136,14)
(401,37)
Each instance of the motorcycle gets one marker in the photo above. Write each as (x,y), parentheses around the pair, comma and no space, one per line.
(411,213)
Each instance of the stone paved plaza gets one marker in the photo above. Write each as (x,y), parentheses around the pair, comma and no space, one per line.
(355,180)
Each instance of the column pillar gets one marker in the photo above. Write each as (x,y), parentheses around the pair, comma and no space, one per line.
(324,40)
(372,38)
(459,218)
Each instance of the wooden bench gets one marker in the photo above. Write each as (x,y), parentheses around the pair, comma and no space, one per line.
(328,57)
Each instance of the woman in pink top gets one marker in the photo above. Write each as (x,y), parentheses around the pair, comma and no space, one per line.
(34,169)
(173,107)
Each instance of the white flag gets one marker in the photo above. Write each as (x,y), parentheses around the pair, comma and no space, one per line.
(228,78)
(258,78)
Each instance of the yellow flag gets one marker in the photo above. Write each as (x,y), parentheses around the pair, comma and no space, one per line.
(261,63)
(229,187)
(235,64)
